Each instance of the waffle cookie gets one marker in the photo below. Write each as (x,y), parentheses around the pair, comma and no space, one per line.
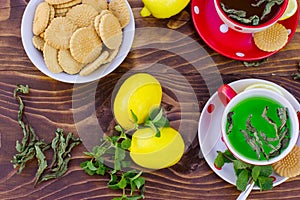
(289,166)
(271,39)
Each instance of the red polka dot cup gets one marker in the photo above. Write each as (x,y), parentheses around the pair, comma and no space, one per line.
(246,28)
(246,135)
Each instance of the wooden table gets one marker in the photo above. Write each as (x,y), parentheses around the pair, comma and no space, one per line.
(187,86)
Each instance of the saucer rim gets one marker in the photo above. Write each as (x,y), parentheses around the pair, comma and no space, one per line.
(239,85)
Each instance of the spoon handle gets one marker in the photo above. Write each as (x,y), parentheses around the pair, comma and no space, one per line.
(247,191)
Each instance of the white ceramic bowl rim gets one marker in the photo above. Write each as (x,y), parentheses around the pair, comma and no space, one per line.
(36,56)
(274,96)
(245,26)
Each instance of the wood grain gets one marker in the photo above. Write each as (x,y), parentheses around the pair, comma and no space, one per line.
(189,71)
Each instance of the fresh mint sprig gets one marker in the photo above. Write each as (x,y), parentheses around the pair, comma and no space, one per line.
(245,172)
(113,149)
(156,120)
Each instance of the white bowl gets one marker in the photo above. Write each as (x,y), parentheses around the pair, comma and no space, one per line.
(37,59)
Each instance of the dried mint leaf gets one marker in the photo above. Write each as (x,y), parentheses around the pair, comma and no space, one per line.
(255,63)
(31,147)
(237,13)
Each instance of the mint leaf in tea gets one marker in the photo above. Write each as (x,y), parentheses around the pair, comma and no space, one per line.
(258,128)
(251,12)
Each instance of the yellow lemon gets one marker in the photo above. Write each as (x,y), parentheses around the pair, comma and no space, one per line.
(163,8)
(290,10)
(139,93)
(153,152)
(265,86)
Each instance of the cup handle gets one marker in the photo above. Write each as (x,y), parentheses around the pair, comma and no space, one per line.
(226,93)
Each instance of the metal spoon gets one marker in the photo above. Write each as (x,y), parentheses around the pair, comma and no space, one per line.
(247,191)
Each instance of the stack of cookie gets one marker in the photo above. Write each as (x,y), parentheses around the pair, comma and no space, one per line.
(78,36)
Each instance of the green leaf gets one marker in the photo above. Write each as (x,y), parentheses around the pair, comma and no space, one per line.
(134,117)
(42,163)
(91,166)
(125,164)
(117,166)
(89,172)
(238,164)
(163,122)
(266,170)
(119,154)
(83,165)
(123,182)
(19,147)
(113,181)
(255,172)
(228,156)
(125,144)
(135,197)
(119,128)
(90,154)
(242,180)
(115,184)
(219,160)
(157,118)
(265,183)
(139,182)
(118,198)
(156,114)
(101,170)
(157,134)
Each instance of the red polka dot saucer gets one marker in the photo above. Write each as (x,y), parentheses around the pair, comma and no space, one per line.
(226,41)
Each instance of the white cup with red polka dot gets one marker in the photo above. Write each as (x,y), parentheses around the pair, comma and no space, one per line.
(240,27)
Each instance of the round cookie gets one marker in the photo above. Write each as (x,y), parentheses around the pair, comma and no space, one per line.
(50,57)
(85,45)
(289,166)
(55,2)
(41,18)
(272,38)
(38,42)
(68,63)
(59,32)
(110,31)
(82,15)
(121,11)
(98,19)
(99,5)
(68,4)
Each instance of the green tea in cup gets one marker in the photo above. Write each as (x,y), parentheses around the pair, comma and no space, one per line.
(259,126)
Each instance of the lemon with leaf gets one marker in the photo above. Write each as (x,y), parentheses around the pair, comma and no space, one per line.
(163,8)
(139,94)
(150,151)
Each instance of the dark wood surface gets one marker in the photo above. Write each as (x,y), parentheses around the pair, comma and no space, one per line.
(189,70)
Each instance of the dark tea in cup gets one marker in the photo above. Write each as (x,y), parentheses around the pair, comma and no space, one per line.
(251,12)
